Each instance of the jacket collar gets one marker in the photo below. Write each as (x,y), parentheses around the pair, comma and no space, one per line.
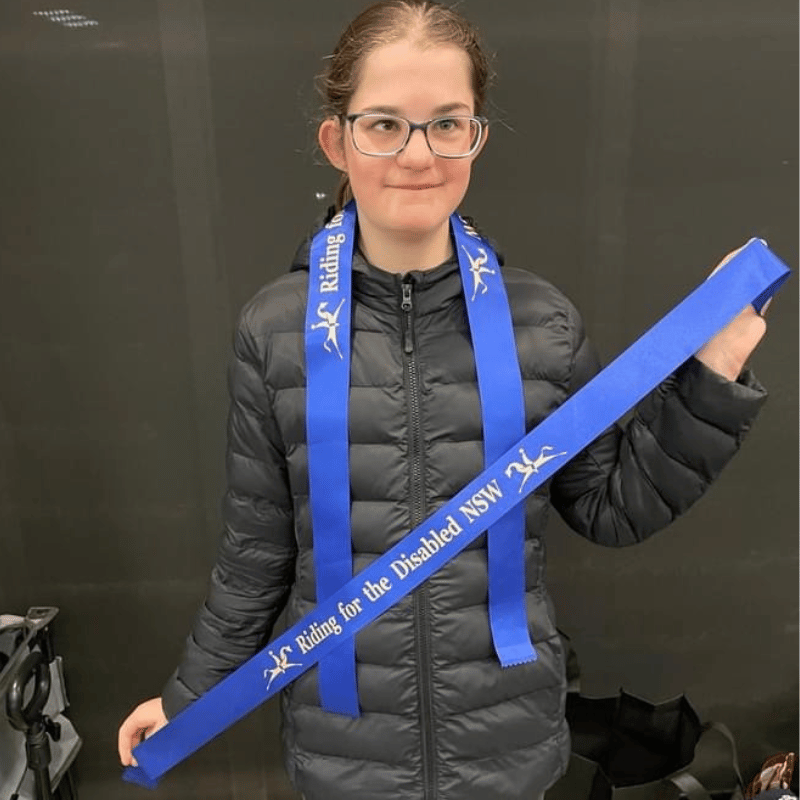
(380,290)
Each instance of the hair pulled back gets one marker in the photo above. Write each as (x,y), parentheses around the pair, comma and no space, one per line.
(386,22)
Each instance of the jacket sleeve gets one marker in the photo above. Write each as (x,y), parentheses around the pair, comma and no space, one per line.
(635,479)
(254,568)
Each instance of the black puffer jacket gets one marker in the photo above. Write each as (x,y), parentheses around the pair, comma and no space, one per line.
(441,719)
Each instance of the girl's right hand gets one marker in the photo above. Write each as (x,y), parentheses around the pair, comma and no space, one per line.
(142,722)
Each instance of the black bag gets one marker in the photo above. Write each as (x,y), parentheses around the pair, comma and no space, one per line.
(626,748)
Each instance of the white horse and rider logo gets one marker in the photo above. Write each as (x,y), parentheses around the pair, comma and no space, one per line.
(329,320)
(478,269)
(528,468)
(282,664)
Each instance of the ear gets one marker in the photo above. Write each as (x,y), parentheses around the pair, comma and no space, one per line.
(331,140)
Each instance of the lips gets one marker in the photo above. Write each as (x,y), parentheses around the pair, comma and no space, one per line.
(419,186)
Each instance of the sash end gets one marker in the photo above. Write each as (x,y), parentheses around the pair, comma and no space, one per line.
(353,713)
(138,776)
(518,656)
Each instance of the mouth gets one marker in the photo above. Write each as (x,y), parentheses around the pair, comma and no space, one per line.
(418,187)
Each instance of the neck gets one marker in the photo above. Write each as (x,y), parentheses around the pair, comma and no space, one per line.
(405,252)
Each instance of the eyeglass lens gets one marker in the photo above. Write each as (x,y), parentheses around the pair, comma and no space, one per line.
(379,134)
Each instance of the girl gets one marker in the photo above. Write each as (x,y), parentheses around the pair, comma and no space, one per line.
(439,716)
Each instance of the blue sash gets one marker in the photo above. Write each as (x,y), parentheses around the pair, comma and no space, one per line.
(503,414)
(327,395)
(753,275)
(328,316)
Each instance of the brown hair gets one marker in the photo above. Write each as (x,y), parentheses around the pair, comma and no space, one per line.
(392,21)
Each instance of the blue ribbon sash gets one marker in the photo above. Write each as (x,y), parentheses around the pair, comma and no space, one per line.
(751,276)
(328,318)
(503,415)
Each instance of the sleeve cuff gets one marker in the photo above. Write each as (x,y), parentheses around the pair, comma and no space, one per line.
(175,696)
(729,405)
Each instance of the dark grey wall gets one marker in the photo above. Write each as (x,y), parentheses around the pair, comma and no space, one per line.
(158,167)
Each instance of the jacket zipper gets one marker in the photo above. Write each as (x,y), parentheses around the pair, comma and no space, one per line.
(422,628)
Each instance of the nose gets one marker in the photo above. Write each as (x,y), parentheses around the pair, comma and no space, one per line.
(416,153)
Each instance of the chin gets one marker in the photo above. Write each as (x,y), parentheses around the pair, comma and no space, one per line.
(419,224)
(420,214)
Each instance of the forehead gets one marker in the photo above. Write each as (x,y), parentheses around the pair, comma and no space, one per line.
(414,79)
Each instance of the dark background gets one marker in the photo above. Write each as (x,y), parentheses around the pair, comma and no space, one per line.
(158,167)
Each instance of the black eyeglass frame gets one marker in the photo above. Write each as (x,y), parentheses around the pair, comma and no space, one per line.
(483,123)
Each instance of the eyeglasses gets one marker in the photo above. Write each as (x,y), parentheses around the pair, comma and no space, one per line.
(387,135)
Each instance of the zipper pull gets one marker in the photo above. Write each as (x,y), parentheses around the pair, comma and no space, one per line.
(406,306)
(406,303)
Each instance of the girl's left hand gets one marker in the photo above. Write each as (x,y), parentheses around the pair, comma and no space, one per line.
(727,352)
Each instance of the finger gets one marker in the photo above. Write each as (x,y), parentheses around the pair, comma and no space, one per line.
(124,742)
(726,259)
(140,736)
(130,735)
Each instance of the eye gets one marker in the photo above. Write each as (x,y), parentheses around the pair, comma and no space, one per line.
(449,125)
(384,124)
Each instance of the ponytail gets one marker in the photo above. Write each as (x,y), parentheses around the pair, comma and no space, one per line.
(344,194)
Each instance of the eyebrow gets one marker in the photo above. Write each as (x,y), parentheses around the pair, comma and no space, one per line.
(445,109)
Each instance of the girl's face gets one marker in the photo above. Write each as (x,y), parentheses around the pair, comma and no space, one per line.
(412,194)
